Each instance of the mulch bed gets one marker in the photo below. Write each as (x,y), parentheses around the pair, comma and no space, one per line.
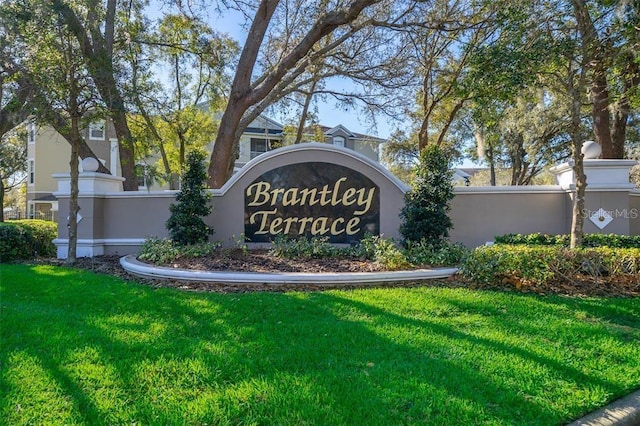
(261,261)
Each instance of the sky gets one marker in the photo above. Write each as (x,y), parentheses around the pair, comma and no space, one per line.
(329,113)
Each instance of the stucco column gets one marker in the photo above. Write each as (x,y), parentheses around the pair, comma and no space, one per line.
(92,188)
(607,207)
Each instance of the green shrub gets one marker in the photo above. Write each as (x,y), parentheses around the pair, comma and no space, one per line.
(543,264)
(424,214)
(443,254)
(164,250)
(185,225)
(387,254)
(589,240)
(381,250)
(316,247)
(25,239)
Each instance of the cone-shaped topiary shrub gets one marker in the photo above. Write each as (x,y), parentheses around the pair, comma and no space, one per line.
(185,225)
(424,215)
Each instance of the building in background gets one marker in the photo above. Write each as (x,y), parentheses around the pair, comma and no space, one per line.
(48,154)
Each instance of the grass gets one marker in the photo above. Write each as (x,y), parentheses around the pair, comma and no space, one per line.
(81,348)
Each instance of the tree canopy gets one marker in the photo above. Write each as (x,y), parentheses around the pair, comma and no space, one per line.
(458,74)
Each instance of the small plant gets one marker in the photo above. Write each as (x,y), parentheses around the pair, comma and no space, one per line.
(240,244)
(443,254)
(164,250)
(424,215)
(185,225)
(291,248)
(387,254)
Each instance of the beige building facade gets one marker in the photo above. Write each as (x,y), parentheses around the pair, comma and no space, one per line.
(49,153)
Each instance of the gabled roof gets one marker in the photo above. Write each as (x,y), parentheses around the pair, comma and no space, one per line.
(329,131)
(336,129)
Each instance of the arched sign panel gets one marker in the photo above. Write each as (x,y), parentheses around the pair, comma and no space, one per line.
(316,199)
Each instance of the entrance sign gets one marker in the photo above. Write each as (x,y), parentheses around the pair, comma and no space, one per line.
(316,199)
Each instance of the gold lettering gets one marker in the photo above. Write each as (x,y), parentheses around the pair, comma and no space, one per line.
(290,197)
(274,195)
(334,199)
(275,227)
(353,222)
(348,197)
(324,193)
(303,224)
(262,193)
(311,193)
(319,226)
(334,226)
(287,224)
(263,223)
(364,201)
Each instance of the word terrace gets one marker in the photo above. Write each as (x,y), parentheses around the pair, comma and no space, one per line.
(342,210)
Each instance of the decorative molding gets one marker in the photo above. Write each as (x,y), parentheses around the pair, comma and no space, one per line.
(91,248)
(519,189)
(310,146)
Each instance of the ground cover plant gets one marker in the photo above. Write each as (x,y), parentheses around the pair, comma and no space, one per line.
(371,253)
(84,348)
(541,260)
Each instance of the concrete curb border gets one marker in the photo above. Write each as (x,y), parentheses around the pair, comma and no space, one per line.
(622,412)
(141,269)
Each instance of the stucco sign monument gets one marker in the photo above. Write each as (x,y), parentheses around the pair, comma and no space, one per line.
(313,199)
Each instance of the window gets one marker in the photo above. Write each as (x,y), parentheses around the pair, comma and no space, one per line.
(142,174)
(96,131)
(259,146)
(32,211)
(338,141)
(32,171)
(31,133)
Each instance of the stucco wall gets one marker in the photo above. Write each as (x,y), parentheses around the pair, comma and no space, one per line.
(116,222)
(481,213)
(634,206)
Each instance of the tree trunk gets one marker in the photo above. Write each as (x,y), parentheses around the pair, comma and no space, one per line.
(72,223)
(59,123)
(577,217)
(243,95)
(594,53)
(423,133)
(125,148)
(600,112)
(305,112)
(97,49)
(222,156)
(622,107)
(1,199)
(452,115)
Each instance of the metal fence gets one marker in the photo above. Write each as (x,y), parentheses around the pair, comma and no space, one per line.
(21,214)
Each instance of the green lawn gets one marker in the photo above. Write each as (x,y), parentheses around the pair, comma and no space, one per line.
(80,348)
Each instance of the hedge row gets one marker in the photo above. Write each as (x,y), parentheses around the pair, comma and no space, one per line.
(26,239)
(543,264)
(589,240)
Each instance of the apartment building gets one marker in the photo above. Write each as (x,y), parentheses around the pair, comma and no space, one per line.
(49,153)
